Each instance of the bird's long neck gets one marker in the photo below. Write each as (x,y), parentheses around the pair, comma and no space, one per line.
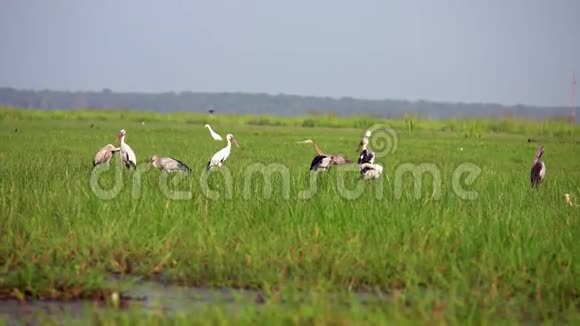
(364,143)
(123,140)
(539,153)
(210,129)
(318,150)
(229,145)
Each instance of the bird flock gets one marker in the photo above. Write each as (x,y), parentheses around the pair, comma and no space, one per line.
(366,160)
(369,170)
(321,162)
(168,164)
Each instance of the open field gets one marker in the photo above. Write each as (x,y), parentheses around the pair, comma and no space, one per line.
(511,254)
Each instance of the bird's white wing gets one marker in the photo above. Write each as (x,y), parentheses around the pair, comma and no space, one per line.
(220,156)
(129,153)
(216,136)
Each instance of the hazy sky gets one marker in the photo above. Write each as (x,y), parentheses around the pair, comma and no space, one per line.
(506,51)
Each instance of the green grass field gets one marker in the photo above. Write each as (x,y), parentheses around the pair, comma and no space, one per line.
(511,254)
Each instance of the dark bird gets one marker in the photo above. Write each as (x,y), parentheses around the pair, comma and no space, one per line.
(538,168)
(366,156)
(168,164)
(321,162)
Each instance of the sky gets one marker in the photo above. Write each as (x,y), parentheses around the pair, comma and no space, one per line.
(500,51)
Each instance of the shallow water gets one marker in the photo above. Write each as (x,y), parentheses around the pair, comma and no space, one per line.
(143,296)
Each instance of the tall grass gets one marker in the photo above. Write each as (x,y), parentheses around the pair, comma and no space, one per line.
(511,254)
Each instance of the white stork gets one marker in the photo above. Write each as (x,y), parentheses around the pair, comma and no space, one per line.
(370,171)
(218,158)
(105,154)
(213,134)
(127,154)
(338,159)
(168,164)
(538,168)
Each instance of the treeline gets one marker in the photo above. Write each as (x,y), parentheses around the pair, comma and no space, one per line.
(277,105)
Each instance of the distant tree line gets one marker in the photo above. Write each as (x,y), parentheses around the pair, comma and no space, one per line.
(284,105)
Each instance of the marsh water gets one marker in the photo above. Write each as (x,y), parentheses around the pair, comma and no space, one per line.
(141,296)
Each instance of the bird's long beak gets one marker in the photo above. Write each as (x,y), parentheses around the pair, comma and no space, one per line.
(236,142)
(307,141)
(118,138)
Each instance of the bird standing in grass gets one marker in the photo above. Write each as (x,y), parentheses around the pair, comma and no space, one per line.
(105,154)
(168,164)
(218,158)
(538,168)
(366,155)
(213,134)
(127,154)
(321,162)
(338,159)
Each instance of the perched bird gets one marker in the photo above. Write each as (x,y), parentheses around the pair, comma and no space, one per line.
(370,171)
(338,159)
(168,164)
(538,168)
(127,154)
(213,134)
(105,154)
(218,158)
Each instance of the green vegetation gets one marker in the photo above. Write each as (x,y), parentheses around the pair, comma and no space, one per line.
(467,127)
(511,254)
